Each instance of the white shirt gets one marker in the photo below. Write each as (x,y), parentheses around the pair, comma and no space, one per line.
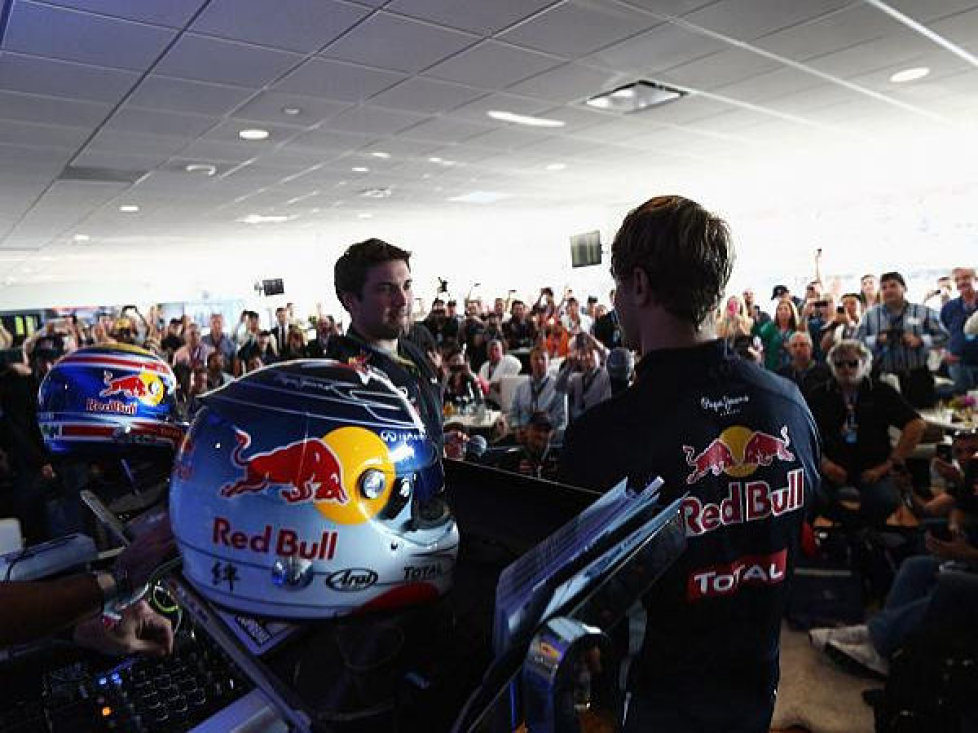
(508,366)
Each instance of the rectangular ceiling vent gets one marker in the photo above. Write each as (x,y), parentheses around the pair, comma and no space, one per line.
(99,175)
(635,97)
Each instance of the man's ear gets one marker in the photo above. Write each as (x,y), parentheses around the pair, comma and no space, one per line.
(640,287)
(347,299)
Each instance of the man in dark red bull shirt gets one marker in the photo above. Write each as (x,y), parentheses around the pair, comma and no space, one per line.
(373,282)
(739,442)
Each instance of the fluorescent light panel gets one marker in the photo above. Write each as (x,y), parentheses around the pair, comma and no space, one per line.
(635,97)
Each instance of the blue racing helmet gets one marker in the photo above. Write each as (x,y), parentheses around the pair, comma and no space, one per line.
(310,489)
(109,399)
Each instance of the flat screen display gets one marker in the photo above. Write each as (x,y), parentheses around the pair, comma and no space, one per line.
(585,249)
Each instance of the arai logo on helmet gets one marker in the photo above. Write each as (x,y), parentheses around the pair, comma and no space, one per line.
(351,579)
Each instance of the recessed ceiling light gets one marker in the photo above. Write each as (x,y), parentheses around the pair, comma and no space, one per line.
(205,169)
(129,208)
(434,160)
(365,215)
(81,238)
(906,75)
(381,154)
(292,111)
(253,134)
(556,166)
(524,119)
(480,197)
(360,169)
(262,219)
(635,97)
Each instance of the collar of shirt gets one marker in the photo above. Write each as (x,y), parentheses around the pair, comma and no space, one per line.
(676,363)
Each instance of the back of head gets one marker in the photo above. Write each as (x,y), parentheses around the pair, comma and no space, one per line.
(684,250)
(620,364)
(350,270)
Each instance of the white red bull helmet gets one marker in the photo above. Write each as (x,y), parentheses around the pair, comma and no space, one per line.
(109,399)
(310,489)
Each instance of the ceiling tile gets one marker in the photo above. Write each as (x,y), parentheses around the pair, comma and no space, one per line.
(134,143)
(477,16)
(577,118)
(180,95)
(121,161)
(227,131)
(687,109)
(214,151)
(268,106)
(371,120)
(295,25)
(70,35)
(961,28)
(62,79)
(224,62)
(508,137)
(336,80)
(477,109)
(51,110)
(770,85)
(34,135)
(671,7)
(719,70)
(155,122)
(446,130)
(320,139)
(173,13)
(749,19)
(399,147)
(392,42)
(425,95)
(661,48)
(825,95)
(492,65)
(932,8)
(895,52)
(578,27)
(569,83)
(849,27)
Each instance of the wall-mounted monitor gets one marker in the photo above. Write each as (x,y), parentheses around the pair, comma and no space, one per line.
(585,249)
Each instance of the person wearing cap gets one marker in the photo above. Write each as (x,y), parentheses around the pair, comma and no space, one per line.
(373,282)
(535,456)
(708,658)
(901,334)
(538,394)
(781,292)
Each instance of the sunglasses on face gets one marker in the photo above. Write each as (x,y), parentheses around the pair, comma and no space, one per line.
(850,363)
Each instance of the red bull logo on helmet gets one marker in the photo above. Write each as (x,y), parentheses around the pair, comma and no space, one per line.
(737,452)
(146,387)
(322,471)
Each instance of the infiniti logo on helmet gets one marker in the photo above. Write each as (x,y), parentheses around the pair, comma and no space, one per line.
(351,579)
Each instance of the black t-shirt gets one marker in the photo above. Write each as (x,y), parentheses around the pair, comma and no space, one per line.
(519,334)
(742,447)
(865,442)
(808,379)
(607,330)
(409,370)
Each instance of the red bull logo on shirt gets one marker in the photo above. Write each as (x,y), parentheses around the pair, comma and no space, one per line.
(737,452)
(323,471)
(146,387)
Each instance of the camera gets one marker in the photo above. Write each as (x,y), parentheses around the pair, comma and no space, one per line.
(893,335)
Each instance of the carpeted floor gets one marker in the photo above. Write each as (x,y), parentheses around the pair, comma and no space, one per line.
(815,694)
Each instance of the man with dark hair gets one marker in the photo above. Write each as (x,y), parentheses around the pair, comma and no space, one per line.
(373,282)
(900,335)
(738,442)
(519,331)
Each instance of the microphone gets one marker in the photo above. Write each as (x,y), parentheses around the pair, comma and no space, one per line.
(476,447)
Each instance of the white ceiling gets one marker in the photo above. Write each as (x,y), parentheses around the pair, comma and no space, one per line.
(148,87)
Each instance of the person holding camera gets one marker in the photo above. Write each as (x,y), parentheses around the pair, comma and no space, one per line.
(901,334)
(461,388)
(844,323)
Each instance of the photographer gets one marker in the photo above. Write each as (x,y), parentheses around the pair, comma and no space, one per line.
(582,376)
(900,335)
(844,323)
(461,388)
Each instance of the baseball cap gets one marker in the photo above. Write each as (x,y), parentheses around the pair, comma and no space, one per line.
(779,290)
